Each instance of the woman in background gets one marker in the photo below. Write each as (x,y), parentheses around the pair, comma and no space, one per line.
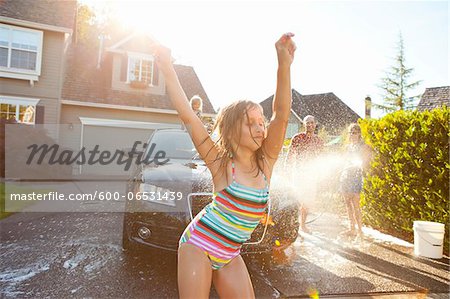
(357,160)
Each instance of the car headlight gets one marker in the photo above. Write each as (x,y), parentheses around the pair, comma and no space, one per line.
(158,195)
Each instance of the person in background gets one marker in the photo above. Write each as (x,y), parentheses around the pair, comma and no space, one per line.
(197,105)
(304,148)
(357,159)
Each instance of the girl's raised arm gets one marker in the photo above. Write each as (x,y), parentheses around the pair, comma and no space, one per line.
(202,141)
(281,106)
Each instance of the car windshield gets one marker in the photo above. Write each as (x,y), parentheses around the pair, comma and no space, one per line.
(176,144)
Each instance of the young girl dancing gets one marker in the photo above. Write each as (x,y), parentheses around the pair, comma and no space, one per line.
(241,162)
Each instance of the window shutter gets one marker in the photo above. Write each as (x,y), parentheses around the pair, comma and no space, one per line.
(39,117)
(124,68)
(155,74)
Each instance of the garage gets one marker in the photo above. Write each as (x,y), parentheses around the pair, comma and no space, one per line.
(110,136)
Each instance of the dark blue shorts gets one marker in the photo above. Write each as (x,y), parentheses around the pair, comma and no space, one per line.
(351,181)
(352,185)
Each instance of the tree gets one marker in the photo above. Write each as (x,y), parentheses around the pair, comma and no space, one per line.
(396,86)
(95,23)
(86,32)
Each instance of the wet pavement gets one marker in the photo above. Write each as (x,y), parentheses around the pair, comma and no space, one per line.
(79,255)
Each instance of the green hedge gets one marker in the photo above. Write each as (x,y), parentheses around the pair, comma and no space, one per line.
(409,175)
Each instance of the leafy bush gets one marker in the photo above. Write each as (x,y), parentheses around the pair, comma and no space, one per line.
(409,176)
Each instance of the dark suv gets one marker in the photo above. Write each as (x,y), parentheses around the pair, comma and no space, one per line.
(162,198)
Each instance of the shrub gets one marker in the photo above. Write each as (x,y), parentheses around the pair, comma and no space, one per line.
(409,175)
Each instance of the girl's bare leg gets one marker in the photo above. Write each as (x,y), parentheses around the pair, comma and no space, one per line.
(357,211)
(303,215)
(194,272)
(233,280)
(350,211)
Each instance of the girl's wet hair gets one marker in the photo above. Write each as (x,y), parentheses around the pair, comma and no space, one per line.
(353,127)
(228,127)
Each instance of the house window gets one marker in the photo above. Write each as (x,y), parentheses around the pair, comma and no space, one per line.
(21,110)
(140,69)
(20,52)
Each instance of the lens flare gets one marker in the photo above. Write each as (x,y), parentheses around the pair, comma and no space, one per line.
(313,293)
(303,181)
(267,219)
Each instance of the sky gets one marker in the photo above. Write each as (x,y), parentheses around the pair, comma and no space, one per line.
(343,47)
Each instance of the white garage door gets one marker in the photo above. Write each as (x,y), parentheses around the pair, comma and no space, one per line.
(112,136)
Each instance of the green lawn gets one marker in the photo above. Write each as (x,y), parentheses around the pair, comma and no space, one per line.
(3,214)
(18,205)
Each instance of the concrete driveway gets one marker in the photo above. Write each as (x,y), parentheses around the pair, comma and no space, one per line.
(78,254)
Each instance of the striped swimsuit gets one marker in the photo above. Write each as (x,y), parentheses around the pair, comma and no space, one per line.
(227,222)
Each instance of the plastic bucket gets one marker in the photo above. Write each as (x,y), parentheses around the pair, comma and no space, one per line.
(428,239)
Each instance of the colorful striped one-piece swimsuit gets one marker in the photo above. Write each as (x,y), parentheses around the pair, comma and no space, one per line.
(227,222)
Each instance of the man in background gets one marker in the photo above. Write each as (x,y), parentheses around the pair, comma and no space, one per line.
(304,148)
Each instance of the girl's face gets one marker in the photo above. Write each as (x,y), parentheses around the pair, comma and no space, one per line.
(253,129)
(355,135)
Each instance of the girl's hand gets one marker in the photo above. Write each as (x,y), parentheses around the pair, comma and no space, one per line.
(285,47)
(163,57)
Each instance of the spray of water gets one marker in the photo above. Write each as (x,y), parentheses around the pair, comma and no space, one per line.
(305,181)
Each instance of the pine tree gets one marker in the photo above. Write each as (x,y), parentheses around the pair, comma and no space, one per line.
(395,85)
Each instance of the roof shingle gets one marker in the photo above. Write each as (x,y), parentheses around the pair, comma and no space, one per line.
(434,97)
(49,12)
(330,111)
(84,82)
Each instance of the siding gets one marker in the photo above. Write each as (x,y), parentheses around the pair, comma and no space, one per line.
(49,82)
(50,116)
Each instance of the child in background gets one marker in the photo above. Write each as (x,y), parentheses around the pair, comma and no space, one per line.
(197,105)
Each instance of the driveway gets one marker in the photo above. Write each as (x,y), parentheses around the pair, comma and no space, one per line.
(78,254)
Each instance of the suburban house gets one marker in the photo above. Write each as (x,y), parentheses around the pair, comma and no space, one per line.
(434,97)
(34,38)
(331,113)
(109,96)
(119,97)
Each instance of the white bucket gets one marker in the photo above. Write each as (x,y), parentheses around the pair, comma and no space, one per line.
(428,239)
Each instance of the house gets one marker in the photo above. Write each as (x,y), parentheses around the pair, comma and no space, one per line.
(109,96)
(331,113)
(34,37)
(434,97)
(120,94)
